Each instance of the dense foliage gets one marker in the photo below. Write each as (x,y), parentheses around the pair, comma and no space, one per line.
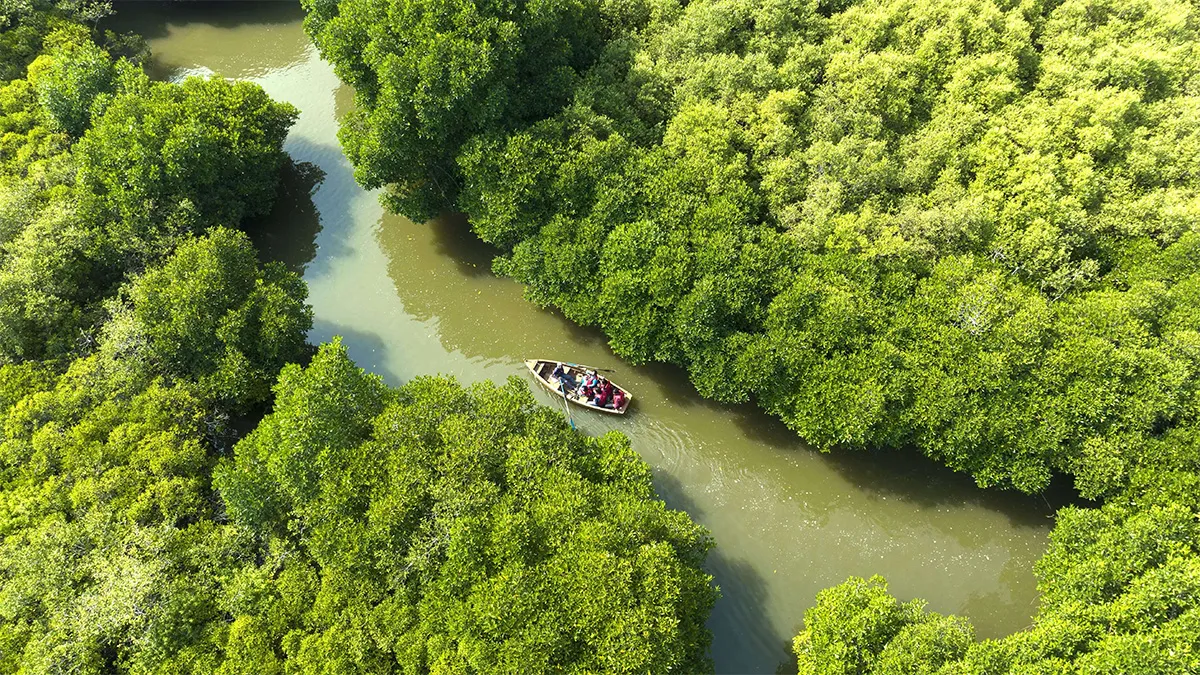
(113,557)
(964,225)
(360,529)
(155,164)
(129,344)
(459,530)
(356,528)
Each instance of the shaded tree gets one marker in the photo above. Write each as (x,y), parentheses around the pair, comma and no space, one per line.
(169,159)
(210,314)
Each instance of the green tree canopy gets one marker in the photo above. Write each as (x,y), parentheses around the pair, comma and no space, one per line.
(212,315)
(110,557)
(465,529)
(169,159)
(69,76)
(429,74)
(891,223)
(157,164)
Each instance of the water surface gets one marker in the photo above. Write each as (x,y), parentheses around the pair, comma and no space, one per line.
(413,299)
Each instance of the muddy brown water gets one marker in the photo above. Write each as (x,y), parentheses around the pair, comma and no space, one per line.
(412,299)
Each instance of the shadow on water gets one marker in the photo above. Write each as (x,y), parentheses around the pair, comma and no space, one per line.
(216,34)
(288,234)
(744,640)
(580,334)
(366,349)
(906,474)
(343,102)
(330,203)
(683,393)
(453,238)
(454,247)
(150,18)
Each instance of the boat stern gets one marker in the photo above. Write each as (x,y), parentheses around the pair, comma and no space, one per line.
(532,365)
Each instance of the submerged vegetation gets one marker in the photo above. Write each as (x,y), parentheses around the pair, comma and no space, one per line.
(353,527)
(965,226)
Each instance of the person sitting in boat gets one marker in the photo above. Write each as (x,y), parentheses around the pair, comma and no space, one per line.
(563,375)
(603,393)
(618,401)
(588,388)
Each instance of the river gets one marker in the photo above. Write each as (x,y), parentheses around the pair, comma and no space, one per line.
(411,299)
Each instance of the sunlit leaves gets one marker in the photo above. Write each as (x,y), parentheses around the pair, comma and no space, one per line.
(429,75)
(106,515)
(166,159)
(468,529)
(156,164)
(69,77)
(212,315)
(115,549)
(857,627)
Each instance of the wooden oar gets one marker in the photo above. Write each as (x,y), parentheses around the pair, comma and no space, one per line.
(580,365)
(563,388)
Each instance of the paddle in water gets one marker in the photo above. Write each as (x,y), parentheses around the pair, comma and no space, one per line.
(563,388)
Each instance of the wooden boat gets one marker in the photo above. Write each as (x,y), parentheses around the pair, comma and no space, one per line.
(542,369)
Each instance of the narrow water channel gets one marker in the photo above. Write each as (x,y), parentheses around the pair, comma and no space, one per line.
(411,299)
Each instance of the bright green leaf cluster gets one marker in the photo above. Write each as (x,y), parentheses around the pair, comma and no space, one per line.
(166,157)
(428,74)
(856,628)
(211,315)
(70,76)
(156,164)
(967,226)
(465,530)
